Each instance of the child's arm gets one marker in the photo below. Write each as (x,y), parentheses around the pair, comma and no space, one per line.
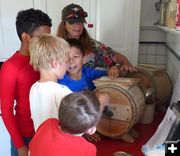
(104,99)
(7,96)
(113,72)
(23,151)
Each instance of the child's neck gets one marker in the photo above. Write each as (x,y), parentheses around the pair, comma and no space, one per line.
(70,133)
(75,76)
(47,75)
(24,50)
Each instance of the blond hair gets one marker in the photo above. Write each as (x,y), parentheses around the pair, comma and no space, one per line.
(45,48)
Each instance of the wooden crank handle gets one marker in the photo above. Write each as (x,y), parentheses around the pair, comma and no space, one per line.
(108,112)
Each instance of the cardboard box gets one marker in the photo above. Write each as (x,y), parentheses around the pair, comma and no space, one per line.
(163,16)
(171,14)
(171,20)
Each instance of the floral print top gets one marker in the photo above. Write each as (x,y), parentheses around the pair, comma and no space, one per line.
(99,56)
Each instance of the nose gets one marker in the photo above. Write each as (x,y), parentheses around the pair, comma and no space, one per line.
(71,60)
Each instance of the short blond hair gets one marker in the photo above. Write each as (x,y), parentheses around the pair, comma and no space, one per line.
(45,48)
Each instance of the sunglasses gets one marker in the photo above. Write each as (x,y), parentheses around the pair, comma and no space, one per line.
(77,14)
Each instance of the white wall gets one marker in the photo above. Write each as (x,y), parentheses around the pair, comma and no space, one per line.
(173,64)
(150,33)
(4,140)
(151,48)
(9,41)
(148,13)
(149,16)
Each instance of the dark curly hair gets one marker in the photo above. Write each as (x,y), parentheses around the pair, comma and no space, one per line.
(29,20)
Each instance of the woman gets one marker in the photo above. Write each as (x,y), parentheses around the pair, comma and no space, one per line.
(97,54)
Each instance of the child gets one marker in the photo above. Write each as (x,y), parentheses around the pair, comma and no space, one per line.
(48,55)
(79,78)
(16,79)
(79,113)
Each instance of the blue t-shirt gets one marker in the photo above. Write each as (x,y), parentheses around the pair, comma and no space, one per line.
(86,82)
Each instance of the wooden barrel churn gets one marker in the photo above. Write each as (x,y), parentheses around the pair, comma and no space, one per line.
(126,102)
(157,79)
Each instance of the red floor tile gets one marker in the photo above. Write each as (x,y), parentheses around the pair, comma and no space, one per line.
(107,146)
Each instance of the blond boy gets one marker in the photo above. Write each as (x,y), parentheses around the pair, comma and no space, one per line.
(49,56)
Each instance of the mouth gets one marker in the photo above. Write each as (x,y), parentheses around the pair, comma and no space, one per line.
(77,31)
(72,67)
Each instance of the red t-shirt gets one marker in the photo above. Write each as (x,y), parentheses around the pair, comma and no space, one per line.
(16,79)
(49,140)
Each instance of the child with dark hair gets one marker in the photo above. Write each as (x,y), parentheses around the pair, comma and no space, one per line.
(79,78)
(79,112)
(30,20)
(16,79)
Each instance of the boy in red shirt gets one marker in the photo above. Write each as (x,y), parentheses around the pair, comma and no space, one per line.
(79,112)
(16,79)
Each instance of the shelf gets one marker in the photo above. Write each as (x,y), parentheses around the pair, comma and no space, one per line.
(169,30)
(148,28)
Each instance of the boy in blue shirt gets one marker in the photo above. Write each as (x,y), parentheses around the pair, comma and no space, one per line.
(79,78)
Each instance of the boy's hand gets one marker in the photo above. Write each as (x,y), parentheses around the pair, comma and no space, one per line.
(93,138)
(113,72)
(104,99)
(23,151)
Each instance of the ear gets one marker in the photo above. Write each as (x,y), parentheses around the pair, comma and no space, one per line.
(25,37)
(54,63)
(91,130)
(85,59)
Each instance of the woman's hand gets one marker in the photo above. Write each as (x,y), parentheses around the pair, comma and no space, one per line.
(113,72)
(128,67)
(124,62)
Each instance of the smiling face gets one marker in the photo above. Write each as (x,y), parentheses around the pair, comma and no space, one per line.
(76,61)
(74,30)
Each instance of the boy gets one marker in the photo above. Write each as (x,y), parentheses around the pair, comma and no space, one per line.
(48,55)
(79,78)
(79,113)
(16,79)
